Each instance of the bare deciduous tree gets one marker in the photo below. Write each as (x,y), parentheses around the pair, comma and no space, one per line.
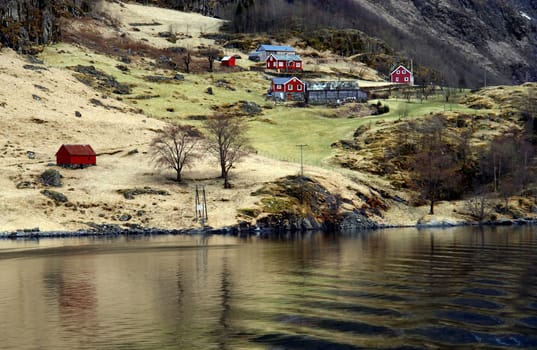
(212,54)
(174,147)
(227,141)
(434,165)
(187,59)
(508,164)
(479,207)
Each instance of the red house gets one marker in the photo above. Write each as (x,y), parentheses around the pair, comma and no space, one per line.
(78,155)
(291,84)
(287,89)
(228,61)
(285,63)
(401,75)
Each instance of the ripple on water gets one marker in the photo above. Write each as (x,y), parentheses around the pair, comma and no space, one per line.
(530,321)
(446,335)
(354,308)
(367,295)
(490,281)
(477,303)
(299,342)
(470,317)
(484,291)
(459,336)
(343,326)
(508,340)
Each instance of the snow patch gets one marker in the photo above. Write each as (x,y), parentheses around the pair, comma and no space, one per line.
(525,15)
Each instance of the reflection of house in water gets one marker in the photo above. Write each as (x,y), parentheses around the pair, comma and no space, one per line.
(74,289)
(321,92)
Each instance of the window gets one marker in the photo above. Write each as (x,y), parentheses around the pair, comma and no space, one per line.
(397,79)
(406,78)
(298,64)
(398,72)
(280,64)
(299,87)
(290,87)
(278,87)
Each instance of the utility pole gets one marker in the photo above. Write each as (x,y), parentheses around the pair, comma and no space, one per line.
(301,146)
(201,205)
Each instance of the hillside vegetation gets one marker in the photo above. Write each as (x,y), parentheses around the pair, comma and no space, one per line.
(120,76)
(460,41)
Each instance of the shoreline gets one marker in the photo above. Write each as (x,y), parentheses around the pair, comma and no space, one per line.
(235,230)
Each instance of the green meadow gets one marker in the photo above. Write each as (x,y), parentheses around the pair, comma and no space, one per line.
(276,133)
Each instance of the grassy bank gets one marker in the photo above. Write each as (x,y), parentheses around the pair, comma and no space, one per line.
(276,133)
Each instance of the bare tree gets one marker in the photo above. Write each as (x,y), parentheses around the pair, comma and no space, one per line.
(187,59)
(227,140)
(434,165)
(479,207)
(174,147)
(508,164)
(212,54)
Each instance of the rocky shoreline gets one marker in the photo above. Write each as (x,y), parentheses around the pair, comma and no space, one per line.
(243,229)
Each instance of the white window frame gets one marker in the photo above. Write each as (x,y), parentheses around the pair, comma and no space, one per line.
(298,64)
(290,88)
(396,79)
(278,86)
(299,87)
(281,64)
(406,78)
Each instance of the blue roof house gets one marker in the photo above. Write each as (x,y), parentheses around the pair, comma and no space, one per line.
(263,51)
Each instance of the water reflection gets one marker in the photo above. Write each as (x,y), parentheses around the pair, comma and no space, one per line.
(74,289)
(456,287)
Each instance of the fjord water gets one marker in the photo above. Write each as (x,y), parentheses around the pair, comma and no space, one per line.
(394,289)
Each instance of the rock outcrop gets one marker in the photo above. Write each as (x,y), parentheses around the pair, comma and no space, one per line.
(26,23)
(298,203)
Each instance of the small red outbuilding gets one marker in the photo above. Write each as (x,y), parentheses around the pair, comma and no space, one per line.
(228,61)
(80,155)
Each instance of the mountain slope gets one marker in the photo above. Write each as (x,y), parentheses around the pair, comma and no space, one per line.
(469,42)
(463,40)
(497,37)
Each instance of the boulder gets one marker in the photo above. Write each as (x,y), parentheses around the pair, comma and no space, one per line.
(357,222)
(56,196)
(51,177)
(438,221)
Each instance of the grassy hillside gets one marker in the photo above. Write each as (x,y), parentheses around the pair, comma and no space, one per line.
(126,79)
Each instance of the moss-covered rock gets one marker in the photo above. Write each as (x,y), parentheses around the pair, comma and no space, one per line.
(56,196)
(51,177)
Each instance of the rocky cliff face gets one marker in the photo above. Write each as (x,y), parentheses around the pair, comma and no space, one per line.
(473,38)
(465,40)
(470,42)
(24,23)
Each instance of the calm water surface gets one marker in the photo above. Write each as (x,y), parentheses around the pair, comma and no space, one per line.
(396,289)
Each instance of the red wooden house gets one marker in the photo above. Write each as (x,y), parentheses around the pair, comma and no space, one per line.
(401,75)
(228,61)
(76,155)
(284,63)
(285,89)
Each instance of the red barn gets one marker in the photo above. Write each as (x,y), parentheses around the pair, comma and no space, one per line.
(286,63)
(228,61)
(401,75)
(78,155)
